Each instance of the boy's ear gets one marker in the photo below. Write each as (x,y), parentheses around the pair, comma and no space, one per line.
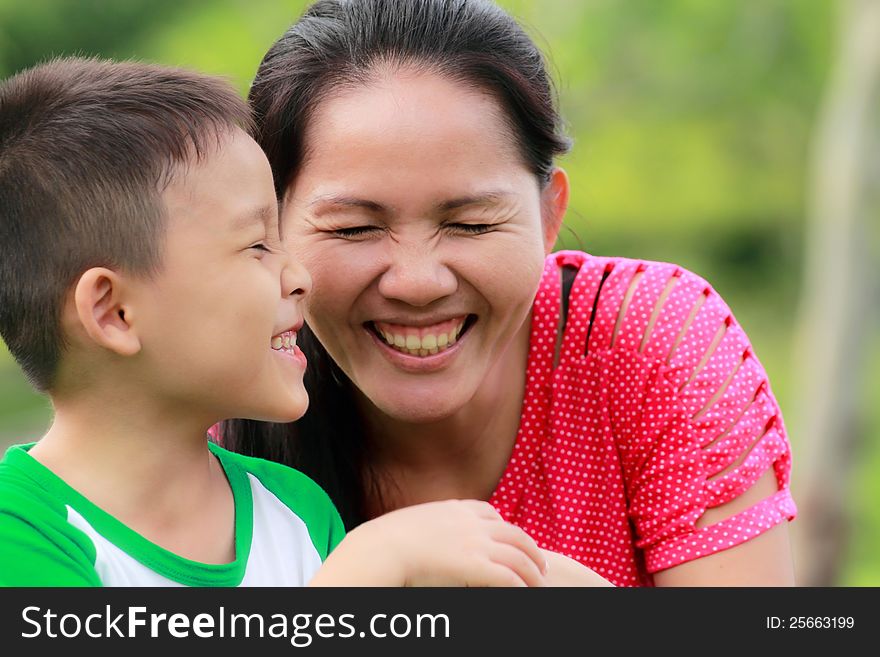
(102,310)
(554,203)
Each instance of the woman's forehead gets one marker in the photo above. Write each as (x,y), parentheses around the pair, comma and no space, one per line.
(411,110)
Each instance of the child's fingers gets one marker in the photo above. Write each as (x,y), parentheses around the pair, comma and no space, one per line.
(508,533)
(565,571)
(490,573)
(519,562)
(513,535)
(483,509)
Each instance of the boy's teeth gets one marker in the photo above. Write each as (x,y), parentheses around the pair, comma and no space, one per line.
(286,340)
(421,341)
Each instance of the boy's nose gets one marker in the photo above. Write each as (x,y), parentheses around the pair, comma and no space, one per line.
(295,279)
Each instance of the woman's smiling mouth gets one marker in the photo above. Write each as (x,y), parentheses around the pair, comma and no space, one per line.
(422,341)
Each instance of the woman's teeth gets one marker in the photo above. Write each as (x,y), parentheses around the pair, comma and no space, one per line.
(421,340)
(285,341)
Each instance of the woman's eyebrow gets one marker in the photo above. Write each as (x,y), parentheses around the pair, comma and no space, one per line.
(483,199)
(324,204)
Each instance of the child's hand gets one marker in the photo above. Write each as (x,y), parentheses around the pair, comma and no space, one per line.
(459,543)
(450,543)
(565,571)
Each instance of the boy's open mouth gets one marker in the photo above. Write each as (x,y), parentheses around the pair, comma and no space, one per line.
(285,341)
(422,340)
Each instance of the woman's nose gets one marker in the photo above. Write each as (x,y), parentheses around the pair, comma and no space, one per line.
(416,276)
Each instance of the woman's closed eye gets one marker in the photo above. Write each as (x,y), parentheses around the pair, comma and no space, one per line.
(356,232)
(470,229)
(365,232)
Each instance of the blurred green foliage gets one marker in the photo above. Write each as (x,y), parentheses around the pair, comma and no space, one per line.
(691,122)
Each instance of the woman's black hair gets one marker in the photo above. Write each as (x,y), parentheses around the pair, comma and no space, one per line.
(343,43)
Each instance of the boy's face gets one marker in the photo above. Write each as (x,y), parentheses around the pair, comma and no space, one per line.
(227,296)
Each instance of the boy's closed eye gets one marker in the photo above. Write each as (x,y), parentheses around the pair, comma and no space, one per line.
(265,245)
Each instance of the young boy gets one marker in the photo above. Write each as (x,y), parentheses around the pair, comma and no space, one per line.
(141,264)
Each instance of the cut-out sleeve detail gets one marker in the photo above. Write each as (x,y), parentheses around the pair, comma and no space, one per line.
(695,422)
(609,303)
(685,294)
(770,447)
(585,294)
(696,340)
(722,535)
(646,302)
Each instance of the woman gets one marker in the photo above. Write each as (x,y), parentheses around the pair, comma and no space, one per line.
(610,407)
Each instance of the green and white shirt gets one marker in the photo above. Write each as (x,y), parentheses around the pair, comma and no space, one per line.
(50,535)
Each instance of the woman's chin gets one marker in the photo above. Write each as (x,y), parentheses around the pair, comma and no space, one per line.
(422,409)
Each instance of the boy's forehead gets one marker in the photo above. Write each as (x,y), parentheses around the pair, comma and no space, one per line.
(223,158)
(266,215)
(232,180)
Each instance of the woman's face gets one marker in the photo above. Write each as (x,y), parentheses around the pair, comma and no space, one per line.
(422,229)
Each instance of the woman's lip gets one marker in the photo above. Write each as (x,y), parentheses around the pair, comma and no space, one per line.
(417,364)
(421,323)
(422,336)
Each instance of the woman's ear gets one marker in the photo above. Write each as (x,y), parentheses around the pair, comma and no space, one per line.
(103,311)
(554,203)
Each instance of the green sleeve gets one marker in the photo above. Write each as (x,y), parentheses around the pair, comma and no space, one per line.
(39,548)
(299,493)
(309,501)
(337,531)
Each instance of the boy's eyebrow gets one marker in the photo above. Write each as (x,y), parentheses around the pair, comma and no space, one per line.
(261,215)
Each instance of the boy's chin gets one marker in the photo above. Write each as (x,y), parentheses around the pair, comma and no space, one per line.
(289,412)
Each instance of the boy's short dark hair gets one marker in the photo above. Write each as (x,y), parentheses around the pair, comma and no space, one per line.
(86,148)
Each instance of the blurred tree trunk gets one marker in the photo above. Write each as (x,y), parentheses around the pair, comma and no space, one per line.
(836,298)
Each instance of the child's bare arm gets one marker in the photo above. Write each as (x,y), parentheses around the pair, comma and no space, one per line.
(450,543)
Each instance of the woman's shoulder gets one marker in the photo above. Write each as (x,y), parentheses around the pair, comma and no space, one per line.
(635,304)
(615,267)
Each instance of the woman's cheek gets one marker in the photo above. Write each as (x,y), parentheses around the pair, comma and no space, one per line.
(317,257)
(512,267)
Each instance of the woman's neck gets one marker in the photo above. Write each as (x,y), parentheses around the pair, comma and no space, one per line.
(460,456)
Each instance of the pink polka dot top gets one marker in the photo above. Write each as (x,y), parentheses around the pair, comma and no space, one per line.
(650,410)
